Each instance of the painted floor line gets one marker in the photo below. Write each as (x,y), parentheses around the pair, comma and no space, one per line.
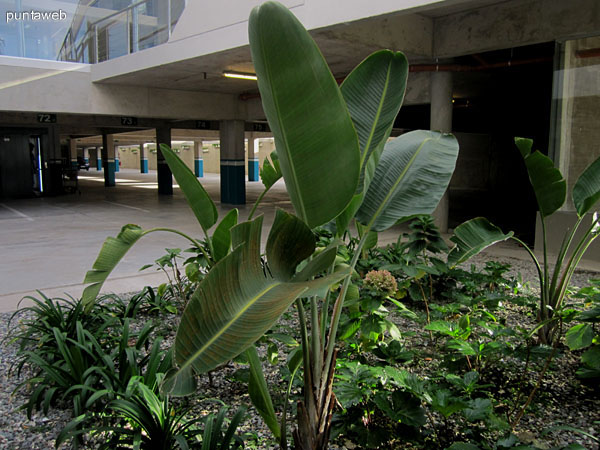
(127,206)
(18,213)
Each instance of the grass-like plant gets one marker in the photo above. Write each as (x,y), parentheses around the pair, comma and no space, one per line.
(140,418)
(550,188)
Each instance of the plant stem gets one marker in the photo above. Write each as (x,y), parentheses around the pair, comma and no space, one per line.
(317,356)
(337,311)
(257,202)
(540,379)
(308,388)
(535,260)
(426,309)
(546,287)
(574,261)
(562,253)
(192,240)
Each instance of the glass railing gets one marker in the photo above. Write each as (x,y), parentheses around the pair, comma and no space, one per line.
(142,25)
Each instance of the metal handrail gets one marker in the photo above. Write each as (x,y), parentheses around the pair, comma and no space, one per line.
(70,50)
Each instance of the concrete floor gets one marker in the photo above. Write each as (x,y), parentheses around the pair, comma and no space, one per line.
(49,244)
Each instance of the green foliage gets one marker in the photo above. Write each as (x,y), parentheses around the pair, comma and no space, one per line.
(297,101)
(256,297)
(140,418)
(585,335)
(393,194)
(550,190)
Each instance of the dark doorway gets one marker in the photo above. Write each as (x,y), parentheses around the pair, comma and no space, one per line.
(494,103)
(21,163)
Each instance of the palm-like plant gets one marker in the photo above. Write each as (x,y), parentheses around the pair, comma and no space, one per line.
(149,421)
(318,128)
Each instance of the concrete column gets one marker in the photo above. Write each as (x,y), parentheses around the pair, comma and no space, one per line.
(86,155)
(253,169)
(233,179)
(143,158)
(108,159)
(117,165)
(198,159)
(163,173)
(73,153)
(99,158)
(441,120)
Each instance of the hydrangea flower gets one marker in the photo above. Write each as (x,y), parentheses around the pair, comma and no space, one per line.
(381,281)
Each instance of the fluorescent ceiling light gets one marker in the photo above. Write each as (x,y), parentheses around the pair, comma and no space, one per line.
(240,75)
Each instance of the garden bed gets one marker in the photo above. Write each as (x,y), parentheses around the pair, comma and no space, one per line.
(564,410)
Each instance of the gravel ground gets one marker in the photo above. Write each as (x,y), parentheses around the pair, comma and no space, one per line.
(565,401)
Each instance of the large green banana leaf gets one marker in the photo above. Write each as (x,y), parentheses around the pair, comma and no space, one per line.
(548,183)
(586,191)
(473,236)
(221,239)
(200,202)
(313,132)
(111,253)
(411,177)
(259,392)
(374,92)
(239,300)
(270,172)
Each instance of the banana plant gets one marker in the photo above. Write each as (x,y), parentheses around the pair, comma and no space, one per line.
(205,211)
(319,128)
(550,190)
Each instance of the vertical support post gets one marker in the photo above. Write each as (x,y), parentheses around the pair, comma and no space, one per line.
(73,153)
(99,151)
(233,180)
(135,31)
(441,120)
(108,159)
(169,17)
(96,56)
(253,163)
(163,173)
(20,30)
(86,155)
(143,158)
(198,159)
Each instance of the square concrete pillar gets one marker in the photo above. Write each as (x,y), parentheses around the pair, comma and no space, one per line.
(108,159)
(253,162)
(143,158)
(441,120)
(99,158)
(73,153)
(233,172)
(117,164)
(198,159)
(163,172)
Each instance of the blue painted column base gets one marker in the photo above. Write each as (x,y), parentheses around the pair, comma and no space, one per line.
(86,160)
(144,166)
(233,182)
(98,164)
(199,167)
(109,173)
(116,165)
(253,171)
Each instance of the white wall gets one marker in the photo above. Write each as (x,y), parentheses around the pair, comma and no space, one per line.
(205,28)
(50,86)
